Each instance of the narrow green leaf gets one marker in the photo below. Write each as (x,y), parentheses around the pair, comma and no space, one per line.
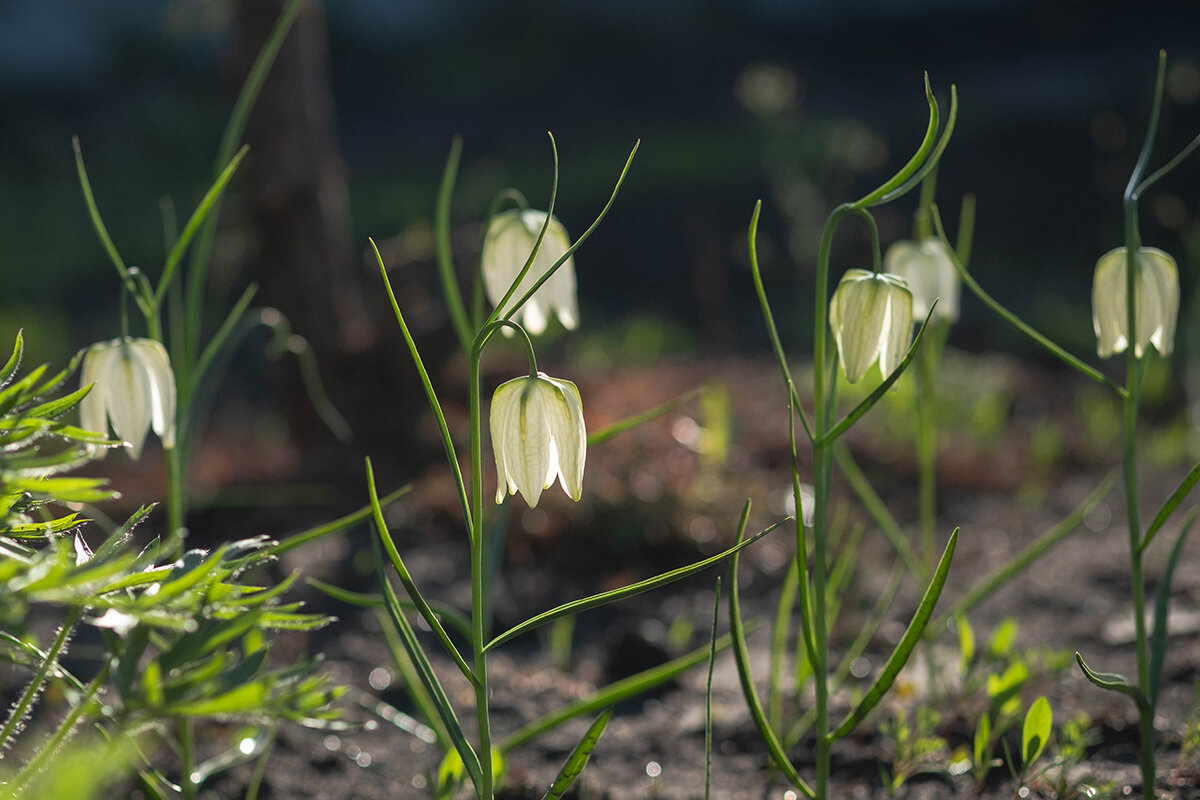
(582,238)
(604,598)
(428,677)
(934,157)
(207,204)
(1035,550)
(431,395)
(1015,322)
(769,318)
(578,758)
(612,694)
(631,422)
(1162,607)
(904,647)
(737,631)
(53,408)
(1172,503)
(385,538)
(445,255)
(712,661)
(230,323)
(877,509)
(1035,732)
(94,212)
(14,361)
(448,614)
(1114,683)
(983,740)
(341,523)
(917,159)
(874,397)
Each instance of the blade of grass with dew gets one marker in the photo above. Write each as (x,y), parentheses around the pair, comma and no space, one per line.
(578,758)
(410,586)
(1158,638)
(14,361)
(604,598)
(428,678)
(633,421)
(738,634)
(904,647)
(415,689)
(1027,556)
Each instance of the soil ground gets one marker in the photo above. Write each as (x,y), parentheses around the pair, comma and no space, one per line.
(654,501)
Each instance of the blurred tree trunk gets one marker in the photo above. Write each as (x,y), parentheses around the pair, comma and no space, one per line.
(307,263)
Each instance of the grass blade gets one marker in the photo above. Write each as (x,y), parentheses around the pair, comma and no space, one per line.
(712,660)
(917,159)
(445,255)
(904,648)
(1027,556)
(1168,508)
(1114,683)
(612,694)
(425,672)
(1162,604)
(577,606)
(738,633)
(385,538)
(630,422)
(578,758)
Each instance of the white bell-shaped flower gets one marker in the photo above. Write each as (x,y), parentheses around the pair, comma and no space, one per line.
(538,435)
(1156,302)
(510,238)
(133,388)
(871,316)
(930,274)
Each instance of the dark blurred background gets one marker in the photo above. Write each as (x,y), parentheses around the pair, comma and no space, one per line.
(803,104)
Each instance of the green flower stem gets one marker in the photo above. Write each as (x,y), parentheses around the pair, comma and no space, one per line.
(187,755)
(476,348)
(176,489)
(21,709)
(1132,398)
(480,601)
(926,441)
(822,469)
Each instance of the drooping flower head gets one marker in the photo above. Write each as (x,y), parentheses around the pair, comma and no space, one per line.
(927,269)
(871,316)
(133,388)
(538,435)
(507,244)
(1156,301)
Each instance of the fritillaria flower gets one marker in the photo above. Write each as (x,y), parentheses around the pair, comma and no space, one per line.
(1156,301)
(927,269)
(871,316)
(133,388)
(510,238)
(538,435)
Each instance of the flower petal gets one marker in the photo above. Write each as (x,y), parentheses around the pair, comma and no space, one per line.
(564,415)
(161,385)
(128,397)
